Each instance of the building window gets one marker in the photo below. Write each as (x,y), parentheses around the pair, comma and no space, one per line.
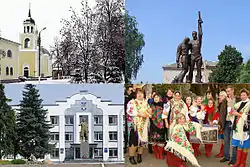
(28,29)
(7,70)
(24,30)
(98,152)
(55,153)
(112,120)
(98,119)
(113,136)
(69,120)
(9,53)
(54,120)
(11,71)
(27,43)
(54,136)
(31,29)
(98,136)
(68,136)
(113,152)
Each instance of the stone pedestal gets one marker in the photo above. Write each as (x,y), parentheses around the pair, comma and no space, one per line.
(84,149)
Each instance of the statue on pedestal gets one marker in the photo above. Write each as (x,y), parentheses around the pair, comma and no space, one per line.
(196,57)
(189,61)
(84,131)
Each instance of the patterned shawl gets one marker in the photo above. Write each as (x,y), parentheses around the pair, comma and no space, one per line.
(176,108)
(241,121)
(140,123)
(179,144)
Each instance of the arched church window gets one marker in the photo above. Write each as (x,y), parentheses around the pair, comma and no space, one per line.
(24,29)
(9,53)
(27,43)
(28,29)
(31,29)
(7,70)
(11,71)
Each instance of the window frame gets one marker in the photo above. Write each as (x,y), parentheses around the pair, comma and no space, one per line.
(71,136)
(7,71)
(99,133)
(56,119)
(100,119)
(112,133)
(55,152)
(115,117)
(11,71)
(113,151)
(9,53)
(68,117)
(99,150)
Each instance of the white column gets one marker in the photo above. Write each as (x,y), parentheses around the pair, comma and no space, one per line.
(105,136)
(61,137)
(77,128)
(120,143)
(90,128)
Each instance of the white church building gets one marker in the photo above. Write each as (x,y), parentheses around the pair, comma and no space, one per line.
(104,119)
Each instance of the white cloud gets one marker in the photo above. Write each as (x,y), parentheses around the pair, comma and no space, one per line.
(46,13)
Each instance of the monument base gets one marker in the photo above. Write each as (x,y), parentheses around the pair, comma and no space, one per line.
(84,149)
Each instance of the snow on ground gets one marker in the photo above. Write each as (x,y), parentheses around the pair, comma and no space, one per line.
(49,81)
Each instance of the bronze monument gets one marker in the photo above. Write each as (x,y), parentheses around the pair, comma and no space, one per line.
(182,54)
(189,61)
(84,131)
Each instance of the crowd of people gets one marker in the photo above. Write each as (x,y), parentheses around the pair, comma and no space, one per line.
(169,122)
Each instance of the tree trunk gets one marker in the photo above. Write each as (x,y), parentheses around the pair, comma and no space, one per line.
(86,75)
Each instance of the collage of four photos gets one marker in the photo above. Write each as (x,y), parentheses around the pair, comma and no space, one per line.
(99,83)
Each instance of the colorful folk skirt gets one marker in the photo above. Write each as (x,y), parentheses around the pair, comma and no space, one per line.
(243,145)
(157,135)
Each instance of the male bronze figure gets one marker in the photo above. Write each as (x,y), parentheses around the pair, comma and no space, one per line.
(182,54)
(196,57)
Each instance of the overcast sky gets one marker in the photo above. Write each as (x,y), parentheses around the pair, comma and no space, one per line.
(46,13)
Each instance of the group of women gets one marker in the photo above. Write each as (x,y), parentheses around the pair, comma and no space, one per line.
(169,122)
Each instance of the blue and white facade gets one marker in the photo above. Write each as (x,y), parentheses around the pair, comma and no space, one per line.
(105,126)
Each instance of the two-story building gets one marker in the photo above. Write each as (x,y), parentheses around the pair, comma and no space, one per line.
(9,57)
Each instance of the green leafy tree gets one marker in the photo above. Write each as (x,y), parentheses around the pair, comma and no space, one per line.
(245,73)
(7,125)
(134,42)
(228,68)
(33,129)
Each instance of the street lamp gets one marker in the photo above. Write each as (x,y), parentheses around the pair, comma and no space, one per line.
(39,54)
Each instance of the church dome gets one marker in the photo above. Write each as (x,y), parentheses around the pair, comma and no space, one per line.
(29,20)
